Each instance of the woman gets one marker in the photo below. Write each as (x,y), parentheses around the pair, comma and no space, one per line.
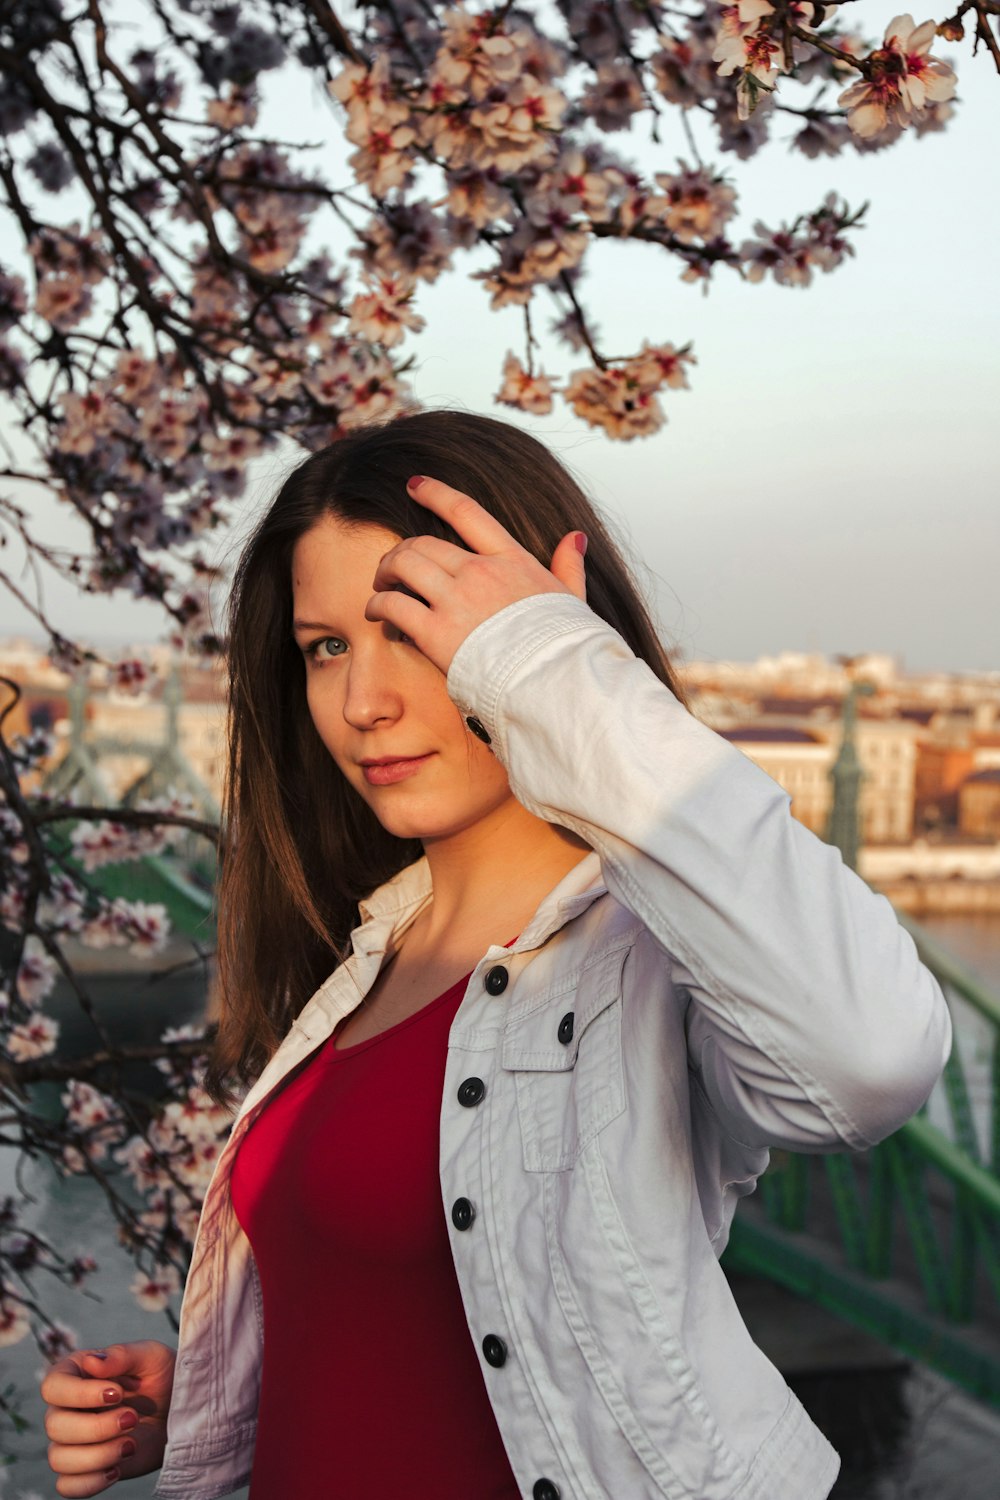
(586,969)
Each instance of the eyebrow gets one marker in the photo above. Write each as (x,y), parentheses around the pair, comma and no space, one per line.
(298,625)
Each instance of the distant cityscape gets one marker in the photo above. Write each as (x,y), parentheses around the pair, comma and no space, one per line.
(928,746)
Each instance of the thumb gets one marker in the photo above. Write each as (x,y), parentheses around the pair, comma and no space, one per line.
(111,1363)
(567,563)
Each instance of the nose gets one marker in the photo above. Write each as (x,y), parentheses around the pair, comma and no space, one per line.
(373,693)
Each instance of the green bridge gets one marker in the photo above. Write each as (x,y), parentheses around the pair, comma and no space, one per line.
(903,1240)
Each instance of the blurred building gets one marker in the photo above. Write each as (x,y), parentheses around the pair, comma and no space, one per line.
(979,804)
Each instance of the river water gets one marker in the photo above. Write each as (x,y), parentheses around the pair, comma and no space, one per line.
(903,1434)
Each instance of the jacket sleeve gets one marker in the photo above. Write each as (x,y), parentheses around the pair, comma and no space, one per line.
(811,1021)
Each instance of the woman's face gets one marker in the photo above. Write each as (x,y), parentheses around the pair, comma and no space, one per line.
(374,697)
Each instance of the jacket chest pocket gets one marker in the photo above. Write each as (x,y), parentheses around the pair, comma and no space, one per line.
(566,1059)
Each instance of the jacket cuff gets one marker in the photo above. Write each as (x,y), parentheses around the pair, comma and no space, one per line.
(495,650)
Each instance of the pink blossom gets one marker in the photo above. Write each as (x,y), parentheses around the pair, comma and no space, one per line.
(596,29)
(517,128)
(903,81)
(570,188)
(62,908)
(13,905)
(95,1115)
(820,137)
(31,1039)
(410,238)
(476,56)
(80,1267)
(478,197)
(614,96)
(682,70)
(138,1158)
(63,301)
(131,677)
(383,313)
(527,392)
(613,400)
(86,420)
(14,1323)
(108,843)
(745,44)
(153,1292)
(236,447)
(146,925)
(36,975)
(238,107)
(57,1339)
(658,365)
(696,204)
(787,256)
(384,159)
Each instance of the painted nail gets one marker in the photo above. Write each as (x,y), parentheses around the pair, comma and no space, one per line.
(127,1448)
(415,481)
(127,1418)
(97,1354)
(110,1396)
(111,1475)
(581,542)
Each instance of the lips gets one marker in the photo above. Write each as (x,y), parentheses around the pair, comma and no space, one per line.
(387,769)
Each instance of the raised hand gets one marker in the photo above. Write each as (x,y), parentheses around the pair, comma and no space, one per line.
(450,591)
(106,1416)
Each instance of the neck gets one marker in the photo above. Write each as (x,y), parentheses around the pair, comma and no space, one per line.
(494,874)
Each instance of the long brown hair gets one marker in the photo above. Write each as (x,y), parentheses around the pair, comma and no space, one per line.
(302,846)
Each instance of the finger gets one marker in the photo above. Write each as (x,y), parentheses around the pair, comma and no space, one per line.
(446,554)
(407,614)
(90,1458)
(419,574)
(64,1426)
(78,1485)
(64,1386)
(474,525)
(567,563)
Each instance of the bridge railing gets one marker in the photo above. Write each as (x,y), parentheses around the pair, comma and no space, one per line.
(904,1240)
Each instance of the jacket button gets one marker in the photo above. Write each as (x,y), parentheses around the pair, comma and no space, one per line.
(544,1489)
(566,1028)
(478,729)
(471,1091)
(462,1213)
(494,1350)
(496,980)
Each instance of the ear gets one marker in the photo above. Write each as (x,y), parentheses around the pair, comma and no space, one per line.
(567,563)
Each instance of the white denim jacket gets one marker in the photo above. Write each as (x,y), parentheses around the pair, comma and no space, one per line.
(732,986)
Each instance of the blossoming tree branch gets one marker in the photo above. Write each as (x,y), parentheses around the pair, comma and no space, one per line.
(182,289)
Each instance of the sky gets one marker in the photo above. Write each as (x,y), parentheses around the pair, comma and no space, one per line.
(830,481)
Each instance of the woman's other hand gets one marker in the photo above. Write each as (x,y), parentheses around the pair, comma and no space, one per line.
(106,1416)
(449,591)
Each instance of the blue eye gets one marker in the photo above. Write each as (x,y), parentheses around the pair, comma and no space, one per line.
(317,650)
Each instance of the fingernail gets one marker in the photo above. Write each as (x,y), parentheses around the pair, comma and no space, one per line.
(415,481)
(97,1354)
(110,1475)
(110,1396)
(581,542)
(127,1418)
(127,1448)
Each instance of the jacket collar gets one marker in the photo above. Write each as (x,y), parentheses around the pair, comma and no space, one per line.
(385,914)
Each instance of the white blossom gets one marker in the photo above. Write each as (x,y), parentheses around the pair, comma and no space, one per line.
(154,1291)
(31,1039)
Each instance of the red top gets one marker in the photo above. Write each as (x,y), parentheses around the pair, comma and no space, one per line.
(371,1383)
